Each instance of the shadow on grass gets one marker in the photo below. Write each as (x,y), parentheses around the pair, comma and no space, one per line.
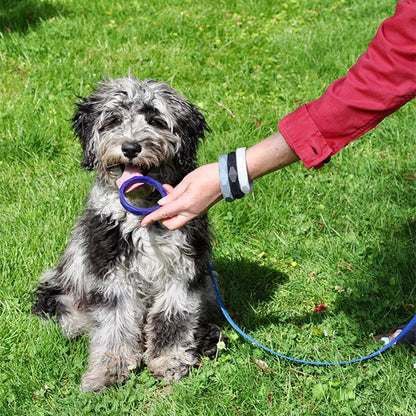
(382,297)
(244,283)
(18,16)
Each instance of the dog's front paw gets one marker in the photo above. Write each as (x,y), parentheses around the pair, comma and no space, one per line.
(98,379)
(108,372)
(172,368)
(94,380)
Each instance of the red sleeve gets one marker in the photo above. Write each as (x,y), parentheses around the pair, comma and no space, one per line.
(382,80)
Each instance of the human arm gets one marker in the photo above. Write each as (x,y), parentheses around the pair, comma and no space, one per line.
(201,189)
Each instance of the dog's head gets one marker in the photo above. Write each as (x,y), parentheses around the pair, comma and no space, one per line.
(143,125)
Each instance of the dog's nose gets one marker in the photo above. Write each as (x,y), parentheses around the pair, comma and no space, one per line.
(131,149)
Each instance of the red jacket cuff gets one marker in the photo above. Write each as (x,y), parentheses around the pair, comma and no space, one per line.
(304,137)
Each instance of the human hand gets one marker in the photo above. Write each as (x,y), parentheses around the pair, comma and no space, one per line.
(197,192)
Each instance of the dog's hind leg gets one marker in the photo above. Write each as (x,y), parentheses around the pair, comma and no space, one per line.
(60,297)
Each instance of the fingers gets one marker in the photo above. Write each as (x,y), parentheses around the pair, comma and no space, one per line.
(161,214)
(167,209)
(148,219)
(176,222)
(172,222)
(172,193)
(169,189)
(158,215)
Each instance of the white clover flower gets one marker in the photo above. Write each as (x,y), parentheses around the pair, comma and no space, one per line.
(221,345)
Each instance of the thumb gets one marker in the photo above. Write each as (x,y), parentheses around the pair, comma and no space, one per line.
(172,193)
(169,189)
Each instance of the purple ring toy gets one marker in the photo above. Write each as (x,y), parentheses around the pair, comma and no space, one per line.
(140,179)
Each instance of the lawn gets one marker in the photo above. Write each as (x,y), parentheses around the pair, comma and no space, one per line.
(342,236)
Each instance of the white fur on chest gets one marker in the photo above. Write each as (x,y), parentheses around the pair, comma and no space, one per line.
(159,255)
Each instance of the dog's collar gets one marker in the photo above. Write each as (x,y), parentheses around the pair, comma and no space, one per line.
(140,179)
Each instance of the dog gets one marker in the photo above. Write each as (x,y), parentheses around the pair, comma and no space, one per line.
(143,295)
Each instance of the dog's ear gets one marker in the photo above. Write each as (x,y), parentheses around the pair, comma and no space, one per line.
(82,123)
(191,127)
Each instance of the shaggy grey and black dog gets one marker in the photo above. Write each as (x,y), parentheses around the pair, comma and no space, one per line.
(143,294)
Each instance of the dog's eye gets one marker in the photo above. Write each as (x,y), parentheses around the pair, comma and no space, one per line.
(116,121)
(157,123)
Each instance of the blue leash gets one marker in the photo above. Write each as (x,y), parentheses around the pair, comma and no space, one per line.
(407,328)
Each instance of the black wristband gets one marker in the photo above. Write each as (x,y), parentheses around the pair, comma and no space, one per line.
(233,176)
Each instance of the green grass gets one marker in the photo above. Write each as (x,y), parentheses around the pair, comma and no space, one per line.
(343,235)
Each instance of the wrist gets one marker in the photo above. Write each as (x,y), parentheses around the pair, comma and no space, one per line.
(208,177)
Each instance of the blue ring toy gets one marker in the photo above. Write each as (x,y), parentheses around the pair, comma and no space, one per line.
(140,179)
